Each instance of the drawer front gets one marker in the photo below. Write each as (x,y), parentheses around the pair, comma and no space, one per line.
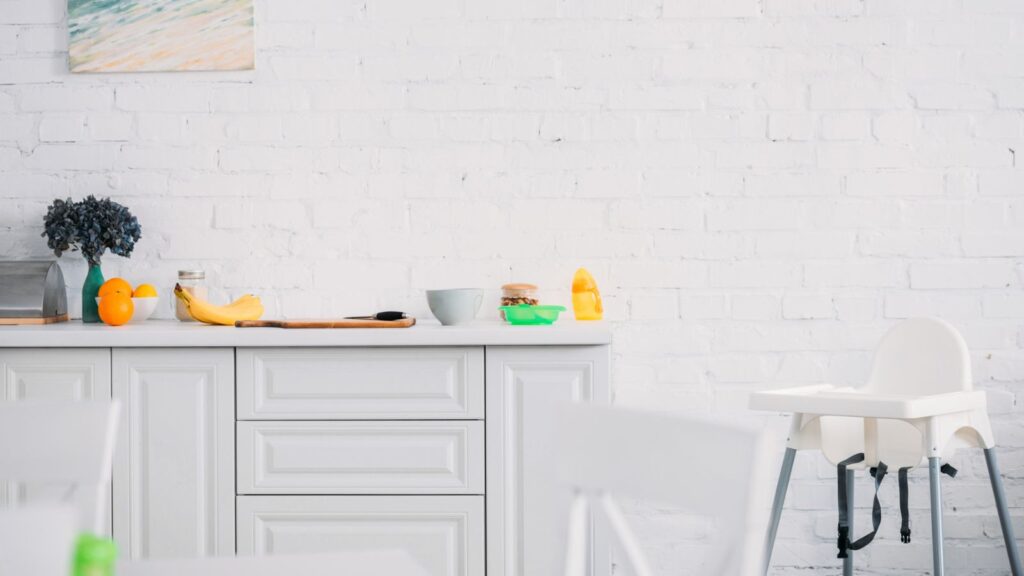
(57,373)
(444,534)
(360,383)
(388,457)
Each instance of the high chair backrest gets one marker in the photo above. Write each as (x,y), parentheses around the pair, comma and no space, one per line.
(917,357)
(920,357)
(706,467)
(62,442)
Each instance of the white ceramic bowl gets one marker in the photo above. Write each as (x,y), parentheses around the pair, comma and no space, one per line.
(455,306)
(144,308)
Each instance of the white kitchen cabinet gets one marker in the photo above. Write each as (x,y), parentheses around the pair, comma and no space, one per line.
(443,534)
(174,492)
(65,374)
(526,519)
(431,439)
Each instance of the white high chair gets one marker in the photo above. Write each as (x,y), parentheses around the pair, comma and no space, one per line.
(918,404)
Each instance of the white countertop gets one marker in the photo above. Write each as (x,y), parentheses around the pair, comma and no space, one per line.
(171,333)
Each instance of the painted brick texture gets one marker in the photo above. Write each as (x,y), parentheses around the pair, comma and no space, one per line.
(761,188)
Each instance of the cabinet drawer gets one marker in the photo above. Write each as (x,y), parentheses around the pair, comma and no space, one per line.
(360,383)
(388,457)
(444,534)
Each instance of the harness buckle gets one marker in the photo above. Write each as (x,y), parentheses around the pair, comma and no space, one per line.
(844,540)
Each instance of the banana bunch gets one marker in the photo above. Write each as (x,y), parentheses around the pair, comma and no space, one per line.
(247,307)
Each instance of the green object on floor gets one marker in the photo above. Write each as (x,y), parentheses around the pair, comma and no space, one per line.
(526,315)
(94,556)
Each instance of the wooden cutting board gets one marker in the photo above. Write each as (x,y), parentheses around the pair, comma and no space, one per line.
(313,323)
(46,320)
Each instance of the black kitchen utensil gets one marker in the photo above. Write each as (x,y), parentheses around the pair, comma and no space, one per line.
(388,315)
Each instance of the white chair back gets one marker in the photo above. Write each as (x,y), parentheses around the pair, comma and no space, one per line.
(705,467)
(919,357)
(62,442)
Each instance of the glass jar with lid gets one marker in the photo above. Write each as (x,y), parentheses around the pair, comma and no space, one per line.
(194,282)
(518,294)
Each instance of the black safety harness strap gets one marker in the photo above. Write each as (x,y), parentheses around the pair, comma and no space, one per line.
(844,518)
(904,506)
(843,541)
(946,469)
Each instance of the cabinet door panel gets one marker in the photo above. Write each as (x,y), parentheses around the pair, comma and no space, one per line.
(526,519)
(51,374)
(174,468)
(444,534)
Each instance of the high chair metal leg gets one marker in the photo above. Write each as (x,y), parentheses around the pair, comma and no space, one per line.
(936,499)
(777,503)
(1004,513)
(848,561)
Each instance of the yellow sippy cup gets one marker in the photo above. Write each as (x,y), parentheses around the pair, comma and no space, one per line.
(586,300)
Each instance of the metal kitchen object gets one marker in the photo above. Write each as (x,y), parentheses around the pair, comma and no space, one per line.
(32,292)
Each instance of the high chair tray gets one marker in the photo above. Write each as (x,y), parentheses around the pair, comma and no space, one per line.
(831,400)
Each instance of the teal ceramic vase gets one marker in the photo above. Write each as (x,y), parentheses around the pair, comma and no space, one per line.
(93,281)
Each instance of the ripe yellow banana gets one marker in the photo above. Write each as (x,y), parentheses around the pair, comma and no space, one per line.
(247,307)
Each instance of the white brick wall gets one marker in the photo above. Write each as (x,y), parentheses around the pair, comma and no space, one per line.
(761,188)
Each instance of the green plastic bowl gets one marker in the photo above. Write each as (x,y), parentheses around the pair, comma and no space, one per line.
(526,315)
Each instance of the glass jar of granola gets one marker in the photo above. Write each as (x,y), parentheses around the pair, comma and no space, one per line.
(517,294)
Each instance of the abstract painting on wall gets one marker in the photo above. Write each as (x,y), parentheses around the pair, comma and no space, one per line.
(160,35)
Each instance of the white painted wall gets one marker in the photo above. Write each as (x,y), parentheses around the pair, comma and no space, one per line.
(761,187)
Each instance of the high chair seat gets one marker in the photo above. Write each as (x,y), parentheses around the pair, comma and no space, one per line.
(825,399)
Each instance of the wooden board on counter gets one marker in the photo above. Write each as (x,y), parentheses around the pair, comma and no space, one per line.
(34,320)
(339,323)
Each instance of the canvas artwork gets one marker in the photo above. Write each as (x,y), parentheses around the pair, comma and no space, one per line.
(160,35)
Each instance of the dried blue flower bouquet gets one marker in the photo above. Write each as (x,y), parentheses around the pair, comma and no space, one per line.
(92,227)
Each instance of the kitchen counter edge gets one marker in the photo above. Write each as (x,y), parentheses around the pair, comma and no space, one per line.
(172,334)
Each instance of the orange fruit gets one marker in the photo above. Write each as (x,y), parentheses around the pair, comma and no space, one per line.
(116,309)
(115,285)
(144,291)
